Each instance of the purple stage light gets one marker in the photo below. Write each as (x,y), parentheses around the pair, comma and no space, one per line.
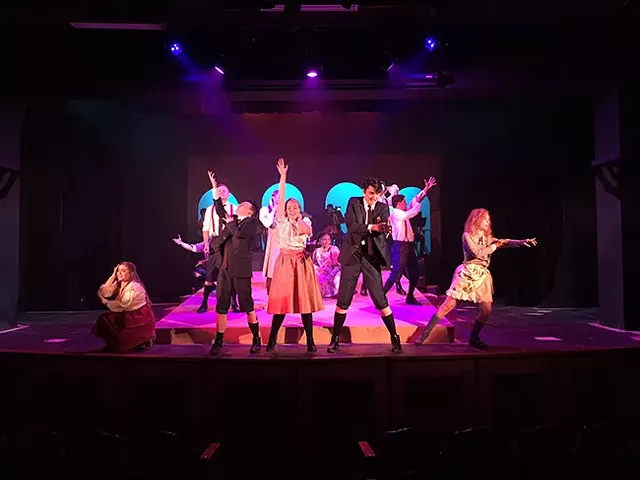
(312,74)
(175,49)
(430,43)
(219,70)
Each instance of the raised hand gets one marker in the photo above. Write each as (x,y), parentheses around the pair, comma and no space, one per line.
(429,184)
(178,240)
(114,276)
(212,179)
(282,166)
(530,242)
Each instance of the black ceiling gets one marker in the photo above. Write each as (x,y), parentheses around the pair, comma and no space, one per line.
(42,51)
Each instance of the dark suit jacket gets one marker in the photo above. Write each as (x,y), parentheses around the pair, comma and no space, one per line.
(236,238)
(357,231)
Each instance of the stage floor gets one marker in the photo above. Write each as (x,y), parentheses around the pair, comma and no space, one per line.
(511,330)
(364,326)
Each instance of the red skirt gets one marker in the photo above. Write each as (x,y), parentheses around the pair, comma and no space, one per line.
(124,331)
(294,287)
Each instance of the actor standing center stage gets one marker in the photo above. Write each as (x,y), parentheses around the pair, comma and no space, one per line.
(365,250)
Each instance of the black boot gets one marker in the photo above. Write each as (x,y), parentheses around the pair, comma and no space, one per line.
(399,289)
(256,343)
(205,299)
(433,321)
(217,344)
(411,300)
(390,323)
(276,323)
(307,323)
(396,344)
(338,322)
(474,338)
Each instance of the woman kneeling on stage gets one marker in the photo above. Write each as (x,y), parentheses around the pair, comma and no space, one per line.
(130,324)
(472,281)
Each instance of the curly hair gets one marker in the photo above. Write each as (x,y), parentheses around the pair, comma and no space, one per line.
(374,182)
(472,225)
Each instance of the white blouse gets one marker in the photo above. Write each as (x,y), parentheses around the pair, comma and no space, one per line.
(131,298)
(288,236)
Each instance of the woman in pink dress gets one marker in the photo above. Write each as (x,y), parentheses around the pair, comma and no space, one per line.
(325,261)
(130,324)
(294,288)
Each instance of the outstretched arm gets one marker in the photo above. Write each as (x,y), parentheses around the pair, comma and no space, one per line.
(282,170)
(414,206)
(214,184)
(186,246)
(508,243)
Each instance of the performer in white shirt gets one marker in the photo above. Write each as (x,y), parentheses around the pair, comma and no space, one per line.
(403,252)
(268,219)
(211,228)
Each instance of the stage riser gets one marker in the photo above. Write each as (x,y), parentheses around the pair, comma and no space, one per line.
(443,333)
(345,397)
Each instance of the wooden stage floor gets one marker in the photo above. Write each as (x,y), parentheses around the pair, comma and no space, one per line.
(364,326)
(182,333)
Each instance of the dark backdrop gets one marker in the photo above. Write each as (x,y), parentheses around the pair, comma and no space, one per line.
(105,181)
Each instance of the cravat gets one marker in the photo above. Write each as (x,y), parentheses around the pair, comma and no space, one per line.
(369,238)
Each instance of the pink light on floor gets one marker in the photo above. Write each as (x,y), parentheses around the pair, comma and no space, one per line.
(312,74)
(56,340)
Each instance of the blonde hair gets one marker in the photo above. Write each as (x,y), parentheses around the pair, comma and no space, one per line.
(472,225)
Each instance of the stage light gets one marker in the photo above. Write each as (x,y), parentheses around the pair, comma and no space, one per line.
(312,74)
(430,43)
(219,69)
(175,48)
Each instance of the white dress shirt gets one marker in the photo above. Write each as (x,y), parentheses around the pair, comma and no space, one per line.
(400,224)
(366,214)
(211,222)
(267,217)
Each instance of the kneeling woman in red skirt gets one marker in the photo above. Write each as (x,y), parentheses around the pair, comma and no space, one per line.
(130,324)
(295,287)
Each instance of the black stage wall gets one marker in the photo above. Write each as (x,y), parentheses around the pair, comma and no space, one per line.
(105,181)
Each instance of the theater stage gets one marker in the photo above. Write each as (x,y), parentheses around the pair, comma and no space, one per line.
(364,326)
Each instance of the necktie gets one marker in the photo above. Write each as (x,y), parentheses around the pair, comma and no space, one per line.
(369,238)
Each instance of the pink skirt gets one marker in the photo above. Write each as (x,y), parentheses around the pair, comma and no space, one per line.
(295,287)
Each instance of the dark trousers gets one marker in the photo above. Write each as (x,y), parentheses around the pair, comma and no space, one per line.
(405,262)
(369,266)
(213,272)
(227,288)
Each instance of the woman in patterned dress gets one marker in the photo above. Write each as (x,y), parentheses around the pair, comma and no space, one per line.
(472,281)
(325,261)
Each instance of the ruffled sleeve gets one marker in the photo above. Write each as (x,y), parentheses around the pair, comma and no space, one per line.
(132,298)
